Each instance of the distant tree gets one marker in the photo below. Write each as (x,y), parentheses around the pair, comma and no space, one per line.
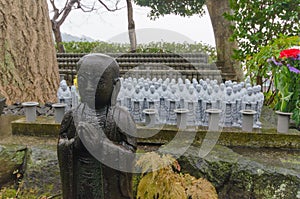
(28,67)
(221,26)
(131,26)
(257,22)
(60,15)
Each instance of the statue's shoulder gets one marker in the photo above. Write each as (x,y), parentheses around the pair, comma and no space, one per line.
(124,120)
(68,128)
(67,123)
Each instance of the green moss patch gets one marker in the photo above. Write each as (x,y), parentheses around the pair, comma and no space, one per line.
(43,126)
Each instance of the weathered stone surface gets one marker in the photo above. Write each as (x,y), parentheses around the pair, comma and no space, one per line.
(238,176)
(42,173)
(34,170)
(43,126)
(11,164)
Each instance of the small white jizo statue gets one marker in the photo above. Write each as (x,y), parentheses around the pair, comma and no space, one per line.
(228,107)
(63,93)
(191,103)
(153,98)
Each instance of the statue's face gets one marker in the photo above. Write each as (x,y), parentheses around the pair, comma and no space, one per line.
(87,84)
(97,78)
(216,88)
(180,81)
(239,87)
(137,89)
(228,91)
(198,88)
(140,85)
(64,87)
(188,85)
(180,86)
(249,91)
(258,88)
(222,86)
(129,87)
(152,89)
(255,89)
(164,87)
(173,89)
(235,88)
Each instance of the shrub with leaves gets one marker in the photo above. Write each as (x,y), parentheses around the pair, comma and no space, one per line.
(161,178)
(257,22)
(258,65)
(153,47)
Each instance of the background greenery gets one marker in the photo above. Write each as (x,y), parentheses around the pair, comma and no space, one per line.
(153,47)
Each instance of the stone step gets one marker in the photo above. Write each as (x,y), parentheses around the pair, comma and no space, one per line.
(46,126)
(185,55)
(143,60)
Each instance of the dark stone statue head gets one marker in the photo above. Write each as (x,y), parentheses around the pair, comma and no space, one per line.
(98,80)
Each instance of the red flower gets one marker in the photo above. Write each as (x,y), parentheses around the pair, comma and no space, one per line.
(293,52)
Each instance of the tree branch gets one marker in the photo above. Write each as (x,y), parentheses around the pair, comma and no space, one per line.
(107,8)
(55,10)
(89,9)
(67,11)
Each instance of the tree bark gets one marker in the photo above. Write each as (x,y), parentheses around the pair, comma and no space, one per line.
(58,37)
(131,26)
(29,70)
(222,32)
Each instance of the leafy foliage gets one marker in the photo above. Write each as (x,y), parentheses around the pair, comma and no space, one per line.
(257,22)
(154,47)
(11,193)
(258,65)
(165,181)
(178,7)
(287,82)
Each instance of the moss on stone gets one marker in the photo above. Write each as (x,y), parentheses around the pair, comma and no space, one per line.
(44,126)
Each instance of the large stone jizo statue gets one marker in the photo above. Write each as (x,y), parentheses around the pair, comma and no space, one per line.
(97,138)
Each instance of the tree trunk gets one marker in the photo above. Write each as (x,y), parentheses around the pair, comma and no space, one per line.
(222,31)
(131,26)
(29,70)
(57,37)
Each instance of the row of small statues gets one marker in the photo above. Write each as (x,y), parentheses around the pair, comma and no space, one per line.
(195,96)
(167,95)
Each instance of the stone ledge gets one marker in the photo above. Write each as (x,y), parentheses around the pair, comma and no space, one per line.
(44,126)
(228,137)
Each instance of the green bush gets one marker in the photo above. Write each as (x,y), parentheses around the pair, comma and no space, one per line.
(104,47)
(258,65)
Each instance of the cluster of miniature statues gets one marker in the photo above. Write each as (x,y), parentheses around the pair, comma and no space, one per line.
(166,96)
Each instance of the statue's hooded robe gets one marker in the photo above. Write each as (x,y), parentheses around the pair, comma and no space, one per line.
(96,143)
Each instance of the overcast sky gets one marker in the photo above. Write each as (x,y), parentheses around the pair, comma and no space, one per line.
(109,26)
